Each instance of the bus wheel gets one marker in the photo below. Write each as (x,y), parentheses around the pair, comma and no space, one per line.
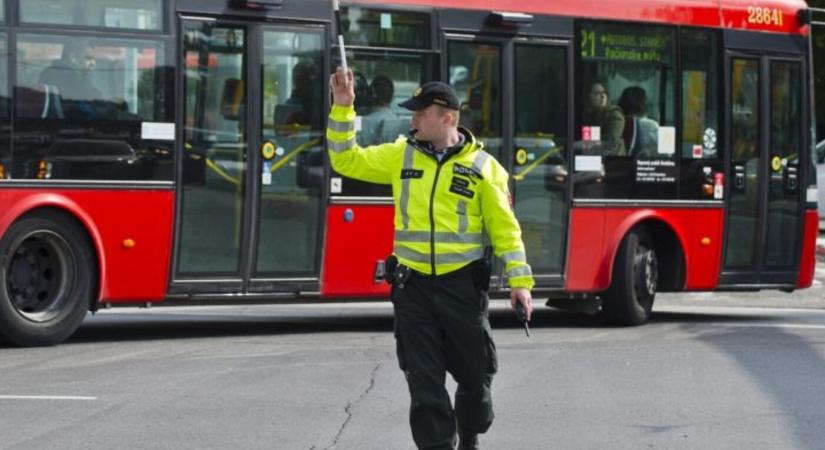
(629,300)
(46,275)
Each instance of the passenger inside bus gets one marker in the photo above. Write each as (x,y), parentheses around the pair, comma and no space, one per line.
(72,76)
(598,112)
(301,109)
(382,124)
(641,133)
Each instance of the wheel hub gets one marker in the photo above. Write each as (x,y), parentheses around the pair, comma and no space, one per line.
(651,273)
(38,275)
(647,273)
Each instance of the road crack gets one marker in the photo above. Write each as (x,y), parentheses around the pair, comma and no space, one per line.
(349,407)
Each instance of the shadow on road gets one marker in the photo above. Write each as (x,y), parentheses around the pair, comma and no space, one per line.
(157,325)
(193,326)
(788,368)
(114,327)
(700,317)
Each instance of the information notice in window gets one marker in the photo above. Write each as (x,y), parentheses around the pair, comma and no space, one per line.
(655,171)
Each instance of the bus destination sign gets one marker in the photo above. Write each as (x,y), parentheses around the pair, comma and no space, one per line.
(619,44)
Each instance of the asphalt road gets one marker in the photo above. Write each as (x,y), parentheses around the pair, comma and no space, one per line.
(710,371)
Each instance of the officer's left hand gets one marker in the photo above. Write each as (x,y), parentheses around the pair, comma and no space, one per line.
(522,295)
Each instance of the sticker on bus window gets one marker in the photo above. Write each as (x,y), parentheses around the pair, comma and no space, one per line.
(335,185)
(591,133)
(266,173)
(718,192)
(586,163)
(667,140)
(386,21)
(697,151)
(157,131)
(709,139)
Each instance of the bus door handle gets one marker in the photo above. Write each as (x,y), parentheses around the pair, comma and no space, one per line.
(739,177)
(792,182)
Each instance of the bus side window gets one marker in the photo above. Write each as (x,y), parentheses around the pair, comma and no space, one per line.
(626,146)
(68,87)
(145,15)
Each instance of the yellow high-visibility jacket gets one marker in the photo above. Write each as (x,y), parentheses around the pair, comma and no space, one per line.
(442,209)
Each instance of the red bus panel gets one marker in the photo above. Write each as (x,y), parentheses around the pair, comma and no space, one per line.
(137,270)
(595,235)
(808,261)
(777,16)
(358,236)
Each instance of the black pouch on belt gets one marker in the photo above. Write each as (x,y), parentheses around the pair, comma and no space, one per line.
(483,269)
(390,264)
(401,275)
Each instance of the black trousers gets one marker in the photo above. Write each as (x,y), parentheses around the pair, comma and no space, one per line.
(441,325)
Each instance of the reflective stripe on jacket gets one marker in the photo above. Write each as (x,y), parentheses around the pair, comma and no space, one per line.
(442,210)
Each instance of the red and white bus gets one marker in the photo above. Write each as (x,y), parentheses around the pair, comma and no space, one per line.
(173,150)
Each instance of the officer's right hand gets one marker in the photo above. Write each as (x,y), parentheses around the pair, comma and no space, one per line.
(342,86)
(523,296)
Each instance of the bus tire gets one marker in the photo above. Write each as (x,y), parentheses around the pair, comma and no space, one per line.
(629,299)
(47,275)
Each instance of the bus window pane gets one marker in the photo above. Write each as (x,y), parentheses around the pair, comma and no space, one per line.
(475,73)
(745,161)
(380,28)
(290,204)
(214,158)
(5,125)
(2,11)
(540,170)
(783,182)
(700,114)
(87,100)
(627,136)
(127,14)
(382,81)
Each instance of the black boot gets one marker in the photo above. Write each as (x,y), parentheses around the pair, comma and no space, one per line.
(467,441)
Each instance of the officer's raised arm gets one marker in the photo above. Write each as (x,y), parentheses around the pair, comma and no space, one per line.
(345,155)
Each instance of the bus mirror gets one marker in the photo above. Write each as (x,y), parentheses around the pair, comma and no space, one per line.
(510,19)
(232,99)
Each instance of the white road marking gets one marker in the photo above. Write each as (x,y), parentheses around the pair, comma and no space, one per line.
(46,397)
(242,355)
(773,325)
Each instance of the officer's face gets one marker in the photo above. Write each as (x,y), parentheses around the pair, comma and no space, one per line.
(431,123)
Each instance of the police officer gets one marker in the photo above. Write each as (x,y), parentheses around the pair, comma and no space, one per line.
(447,192)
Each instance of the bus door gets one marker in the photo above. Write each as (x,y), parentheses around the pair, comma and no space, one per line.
(515,96)
(767,160)
(252,174)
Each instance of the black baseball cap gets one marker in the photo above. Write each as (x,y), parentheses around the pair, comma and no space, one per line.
(432,93)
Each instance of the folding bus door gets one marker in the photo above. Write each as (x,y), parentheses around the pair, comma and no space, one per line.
(252,177)
(767,157)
